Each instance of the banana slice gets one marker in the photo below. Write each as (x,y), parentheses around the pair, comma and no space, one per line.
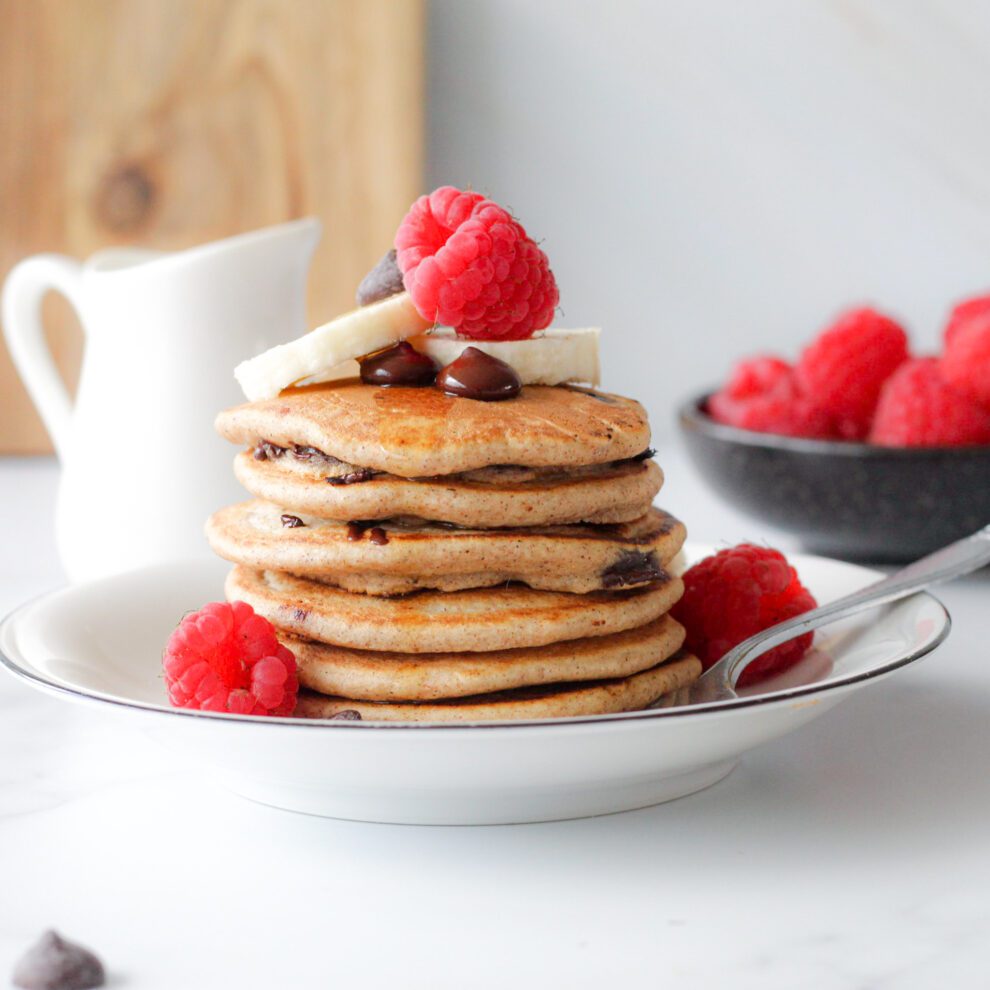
(550,358)
(313,357)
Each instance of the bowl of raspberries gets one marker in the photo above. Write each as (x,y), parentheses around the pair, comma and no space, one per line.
(860,447)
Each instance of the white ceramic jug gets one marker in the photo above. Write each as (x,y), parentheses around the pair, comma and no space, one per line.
(142,466)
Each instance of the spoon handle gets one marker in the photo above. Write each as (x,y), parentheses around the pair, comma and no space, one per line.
(959,558)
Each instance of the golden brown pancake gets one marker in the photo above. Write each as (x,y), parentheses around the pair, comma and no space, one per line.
(556,701)
(373,676)
(420,432)
(402,556)
(615,493)
(435,622)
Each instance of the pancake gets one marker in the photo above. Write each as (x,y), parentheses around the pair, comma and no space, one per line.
(419,554)
(372,676)
(436,622)
(420,432)
(557,701)
(615,493)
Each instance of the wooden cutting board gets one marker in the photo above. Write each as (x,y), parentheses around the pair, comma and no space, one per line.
(166,124)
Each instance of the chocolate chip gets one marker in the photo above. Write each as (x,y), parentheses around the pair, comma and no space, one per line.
(355,530)
(644,455)
(382,281)
(401,364)
(266,449)
(632,567)
(306,453)
(291,522)
(347,715)
(477,375)
(378,536)
(53,963)
(353,478)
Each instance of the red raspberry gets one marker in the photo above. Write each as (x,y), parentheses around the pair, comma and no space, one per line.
(844,368)
(762,395)
(733,595)
(224,658)
(918,409)
(468,264)
(965,311)
(966,361)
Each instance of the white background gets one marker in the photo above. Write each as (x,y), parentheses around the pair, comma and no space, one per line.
(714,178)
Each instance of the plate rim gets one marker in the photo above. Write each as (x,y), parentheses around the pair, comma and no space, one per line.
(839,685)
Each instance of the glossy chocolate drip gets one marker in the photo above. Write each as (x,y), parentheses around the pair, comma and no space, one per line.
(399,365)
(477,375)
(378,536)
(291,522)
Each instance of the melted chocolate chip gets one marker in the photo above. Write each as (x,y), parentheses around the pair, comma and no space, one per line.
(291,522)
(307,453)
(265,450)
(353,477)
(477,375)
(355,530)
(632,567)
(347,715)
(401,364)
(382,281)
(53,963)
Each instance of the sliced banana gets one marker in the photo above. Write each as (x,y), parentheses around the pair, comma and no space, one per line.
(315,356)
(552,357)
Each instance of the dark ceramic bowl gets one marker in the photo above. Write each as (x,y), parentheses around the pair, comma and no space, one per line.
(845,499)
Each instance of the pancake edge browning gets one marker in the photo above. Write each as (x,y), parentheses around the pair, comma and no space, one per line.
(475,620)
(418,432)
(620,496)
(633,693)
(576,559)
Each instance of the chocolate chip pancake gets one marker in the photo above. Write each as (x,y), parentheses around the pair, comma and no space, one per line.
(400,556)
(421,432)
(541,701)
(373,676)
(609,493)
(434,621)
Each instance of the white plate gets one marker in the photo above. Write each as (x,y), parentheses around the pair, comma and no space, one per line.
(101,643)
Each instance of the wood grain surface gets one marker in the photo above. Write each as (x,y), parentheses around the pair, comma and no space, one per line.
(167,124)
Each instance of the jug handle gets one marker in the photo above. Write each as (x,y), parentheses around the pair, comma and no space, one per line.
(23,292)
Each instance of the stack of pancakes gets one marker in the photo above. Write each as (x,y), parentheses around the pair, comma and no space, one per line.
(427,557)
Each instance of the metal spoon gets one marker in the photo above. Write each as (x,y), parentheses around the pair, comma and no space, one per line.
(962,557)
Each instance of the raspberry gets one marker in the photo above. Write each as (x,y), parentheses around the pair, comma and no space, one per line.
(224,658)
(762,395)
(468,264)
(733,595)
(966,362)
(918,409)
(965,311)
(844,368)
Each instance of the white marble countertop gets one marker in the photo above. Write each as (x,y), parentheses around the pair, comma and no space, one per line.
(852,854)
